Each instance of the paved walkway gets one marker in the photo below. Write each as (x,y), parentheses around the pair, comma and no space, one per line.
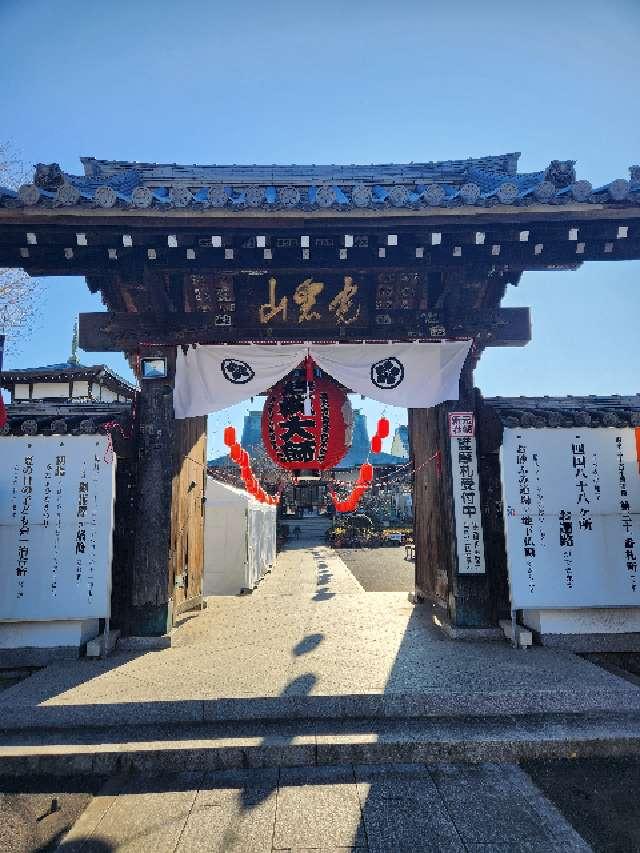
(311,630)
(401,809)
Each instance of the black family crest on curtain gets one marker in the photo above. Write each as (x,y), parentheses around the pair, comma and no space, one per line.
(387,373)
(236,371)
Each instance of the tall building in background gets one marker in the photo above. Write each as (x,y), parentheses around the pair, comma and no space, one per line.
(251,435)
(400,443)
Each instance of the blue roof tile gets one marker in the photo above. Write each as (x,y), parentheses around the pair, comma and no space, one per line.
(416,180)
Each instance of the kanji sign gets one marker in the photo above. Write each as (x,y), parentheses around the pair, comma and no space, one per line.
(56,525)
(572,516)
(466,496)
(462,424)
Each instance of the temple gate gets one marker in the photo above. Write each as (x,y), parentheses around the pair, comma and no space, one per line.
(185,255)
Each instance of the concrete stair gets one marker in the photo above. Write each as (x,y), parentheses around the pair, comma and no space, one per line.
(211,746)
(312,529)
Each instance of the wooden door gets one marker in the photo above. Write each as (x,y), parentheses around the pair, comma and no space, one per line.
(186,556)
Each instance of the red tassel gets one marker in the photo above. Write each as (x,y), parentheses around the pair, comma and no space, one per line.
(309,368)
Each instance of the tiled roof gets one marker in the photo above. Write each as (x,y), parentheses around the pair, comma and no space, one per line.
(567,411)
(41,417)
(483,182)
(67,370)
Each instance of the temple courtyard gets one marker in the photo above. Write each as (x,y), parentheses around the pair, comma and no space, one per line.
(314,715)
(310,636)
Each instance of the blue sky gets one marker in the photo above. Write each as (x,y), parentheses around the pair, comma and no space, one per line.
(202,81)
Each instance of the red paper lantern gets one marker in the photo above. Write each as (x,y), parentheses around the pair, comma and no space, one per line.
(244,459)
(229,436)
(376,444)
(235,451)
(315,441)
(383,428)
(366,472)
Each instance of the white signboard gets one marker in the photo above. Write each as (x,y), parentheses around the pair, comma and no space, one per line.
(56,522)
(466,496)
(571,503)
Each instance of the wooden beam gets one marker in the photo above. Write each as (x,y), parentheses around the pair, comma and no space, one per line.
(83,218)
(130,263)
(124,332)
(512,328)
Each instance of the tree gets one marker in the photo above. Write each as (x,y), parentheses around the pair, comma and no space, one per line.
(19,293)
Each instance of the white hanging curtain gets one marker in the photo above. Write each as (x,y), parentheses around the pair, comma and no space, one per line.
(420,375)
(210,378)
(416,374)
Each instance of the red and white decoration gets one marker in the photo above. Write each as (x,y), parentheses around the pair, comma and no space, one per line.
(350,503)
(240,456)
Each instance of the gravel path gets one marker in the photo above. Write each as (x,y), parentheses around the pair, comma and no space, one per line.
(380,569)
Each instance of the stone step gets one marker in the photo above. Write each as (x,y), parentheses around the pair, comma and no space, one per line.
(609,698)
(158,749)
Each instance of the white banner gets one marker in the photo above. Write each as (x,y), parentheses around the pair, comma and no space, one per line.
(572,516)
(56,526)
(420,375)
(210,378)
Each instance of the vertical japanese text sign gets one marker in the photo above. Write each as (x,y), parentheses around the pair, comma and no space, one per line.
(466,493)
(572,516)
(56,524)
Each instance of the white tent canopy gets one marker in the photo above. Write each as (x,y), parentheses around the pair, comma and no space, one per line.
(239,539)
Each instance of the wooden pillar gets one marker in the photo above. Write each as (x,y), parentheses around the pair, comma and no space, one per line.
(469,600)
(150,611)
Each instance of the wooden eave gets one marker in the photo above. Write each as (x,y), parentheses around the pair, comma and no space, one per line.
(498,213)
(56,251)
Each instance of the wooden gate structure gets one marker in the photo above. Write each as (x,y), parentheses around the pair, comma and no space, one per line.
(184,255)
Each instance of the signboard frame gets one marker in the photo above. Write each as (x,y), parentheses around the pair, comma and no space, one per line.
(586,561)
(57,510)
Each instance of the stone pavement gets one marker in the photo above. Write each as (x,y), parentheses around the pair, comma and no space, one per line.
(484,808)
(310,632)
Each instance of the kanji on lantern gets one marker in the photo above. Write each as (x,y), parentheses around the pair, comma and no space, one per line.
(311,437)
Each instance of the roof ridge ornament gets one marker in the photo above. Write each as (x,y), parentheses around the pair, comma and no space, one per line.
(561,173)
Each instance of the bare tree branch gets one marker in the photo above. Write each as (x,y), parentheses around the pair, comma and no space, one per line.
(19,293)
